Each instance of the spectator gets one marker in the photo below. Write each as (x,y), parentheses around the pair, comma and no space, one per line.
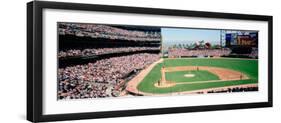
(99,79)
(101,51)
(108,32)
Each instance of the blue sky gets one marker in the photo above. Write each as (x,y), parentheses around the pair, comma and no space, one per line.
(181,35)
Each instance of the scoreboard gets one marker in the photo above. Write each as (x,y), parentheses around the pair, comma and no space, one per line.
(241,38)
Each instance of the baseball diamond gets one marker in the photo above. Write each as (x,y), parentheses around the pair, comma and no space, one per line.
(214,73)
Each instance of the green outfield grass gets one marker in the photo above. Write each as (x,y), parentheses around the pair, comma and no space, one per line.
(248,67)
(201,75)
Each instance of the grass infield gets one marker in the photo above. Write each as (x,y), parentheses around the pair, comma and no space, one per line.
(201,75)
(248,67)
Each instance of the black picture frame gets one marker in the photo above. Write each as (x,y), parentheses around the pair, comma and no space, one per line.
(35,69)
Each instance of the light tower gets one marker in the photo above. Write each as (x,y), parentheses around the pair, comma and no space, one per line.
(222,38)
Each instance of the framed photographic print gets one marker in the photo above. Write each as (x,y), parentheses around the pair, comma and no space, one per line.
(89,61)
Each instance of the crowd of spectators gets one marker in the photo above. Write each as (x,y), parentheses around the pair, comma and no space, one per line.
(253,53)
(99,79)
(236,89)
(101,51)
(182,52)
(108,32)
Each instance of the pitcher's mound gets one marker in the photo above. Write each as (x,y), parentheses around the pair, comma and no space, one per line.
(189,75)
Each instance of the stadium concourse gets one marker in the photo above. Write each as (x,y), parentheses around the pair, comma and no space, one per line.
(96,61)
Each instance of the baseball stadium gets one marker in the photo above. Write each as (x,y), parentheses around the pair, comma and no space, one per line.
(100,61)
